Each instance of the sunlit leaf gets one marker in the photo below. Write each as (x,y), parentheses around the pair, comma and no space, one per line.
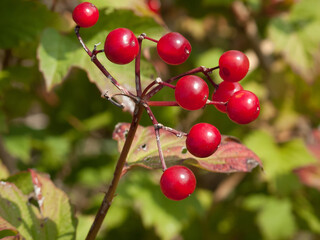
(7,230)
(278,159)
(274,218)
(231,156)
(23,151)
(16,210)
(22,180)
(297,37)
(4,172)
(167,217)
(54,219)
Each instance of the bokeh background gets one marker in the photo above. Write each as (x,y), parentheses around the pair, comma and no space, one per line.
(53,119)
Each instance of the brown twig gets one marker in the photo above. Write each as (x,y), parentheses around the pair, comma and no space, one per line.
(110,194)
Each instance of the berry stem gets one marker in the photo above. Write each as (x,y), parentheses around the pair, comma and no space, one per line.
(201,69)
(110,194)
(99,65)
(210,102)
(157,132)
(109,98)
(148,87)
(162,103)
(151,39)
(173,131)
(157,126)
(166,84)
(137,67)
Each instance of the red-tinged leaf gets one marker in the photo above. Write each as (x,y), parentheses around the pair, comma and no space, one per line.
(52,218)
(314,143)
(54,205)
(310,175)
(7,231)
(231,155)
(37,186)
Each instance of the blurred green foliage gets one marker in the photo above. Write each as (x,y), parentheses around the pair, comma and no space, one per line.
(53,119)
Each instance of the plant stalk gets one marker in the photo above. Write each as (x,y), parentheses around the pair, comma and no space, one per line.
(110,194)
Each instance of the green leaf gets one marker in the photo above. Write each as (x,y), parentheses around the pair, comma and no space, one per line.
(231,156)
(217,2)
(23,181)
(4,172)
(16,210)
(7,230)
(84,223)
(166,216)
(54,219)
(55,151)
(56,54)
(278,159)
(307,212)
(297,36)
(56,207)
(3,123)
(19,146)
(21,20)
(305,9)
(275,217)
(209,58)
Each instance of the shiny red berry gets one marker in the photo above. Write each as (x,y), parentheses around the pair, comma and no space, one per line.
(177,182)
(174,48)
(233,66)
(243,107)
(203,139)
(154,5)
(223,93)
(191,92)
(85,15)
(121,46)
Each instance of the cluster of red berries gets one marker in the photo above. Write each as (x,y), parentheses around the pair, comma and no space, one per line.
(191,92)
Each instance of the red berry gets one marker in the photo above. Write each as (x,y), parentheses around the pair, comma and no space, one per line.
(174,48)
(224,92)
(243,107)
(203,140)
(191,92)
(177,182)
(85,15)
(121,46)
(154,5)
(234,66)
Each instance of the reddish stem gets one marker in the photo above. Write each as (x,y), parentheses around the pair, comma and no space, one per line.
(210,102)
(163,162)
(162,103)
(167,84)
(110,194)
(151,39)
(149,87)
(157,126)
(201,69)
(137,67)
(99,65)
